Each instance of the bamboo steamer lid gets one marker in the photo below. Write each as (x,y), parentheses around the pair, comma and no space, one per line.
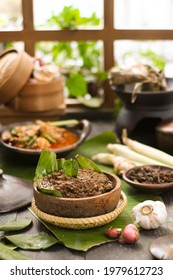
(15,70)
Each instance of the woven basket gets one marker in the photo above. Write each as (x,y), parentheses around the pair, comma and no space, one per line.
(82,223)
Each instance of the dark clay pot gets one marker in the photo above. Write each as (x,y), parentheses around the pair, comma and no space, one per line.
(150,107)
(146,100)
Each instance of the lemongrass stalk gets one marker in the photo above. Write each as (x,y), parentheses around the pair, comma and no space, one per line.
(147,150)
(65,122)
(125,151)
(119,163)
(122,164)
(109,159)
(104,158)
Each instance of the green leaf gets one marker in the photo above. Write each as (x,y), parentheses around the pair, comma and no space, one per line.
(70,18)
(47,163)
(87,163)
(16,225)
(7,253)
(60,163)
(95,145)
(49,191)
(9,245)
(36,241)
(76,84)
(70,167)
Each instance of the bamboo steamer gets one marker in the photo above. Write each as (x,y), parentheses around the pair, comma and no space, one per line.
(15,69)
(40,97)
(20,94)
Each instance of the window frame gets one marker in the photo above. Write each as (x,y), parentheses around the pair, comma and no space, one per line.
(108,35)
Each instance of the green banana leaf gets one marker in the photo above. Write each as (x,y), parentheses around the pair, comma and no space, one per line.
(36,241)
(6,253)
(9,245)
(85,239)
(95,145)
(16,225)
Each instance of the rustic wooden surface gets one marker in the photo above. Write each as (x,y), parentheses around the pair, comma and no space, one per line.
(109,251)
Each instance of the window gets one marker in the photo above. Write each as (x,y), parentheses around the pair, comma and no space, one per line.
(86,8)
(143,14)
(126,26)
(10,15)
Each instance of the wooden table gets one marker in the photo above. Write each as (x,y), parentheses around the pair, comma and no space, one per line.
(108,251)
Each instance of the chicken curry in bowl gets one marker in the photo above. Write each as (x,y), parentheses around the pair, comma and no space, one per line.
(33,137)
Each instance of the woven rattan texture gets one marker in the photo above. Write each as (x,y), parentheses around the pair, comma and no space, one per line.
(82,223)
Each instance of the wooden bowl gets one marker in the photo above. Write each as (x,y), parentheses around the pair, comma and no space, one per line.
(80,207)
(154,188)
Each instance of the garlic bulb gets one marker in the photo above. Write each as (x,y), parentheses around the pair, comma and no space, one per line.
(150,214)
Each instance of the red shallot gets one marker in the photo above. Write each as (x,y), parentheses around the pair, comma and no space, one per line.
(113,232)
(130,234)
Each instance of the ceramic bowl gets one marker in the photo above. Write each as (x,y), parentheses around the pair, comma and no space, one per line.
(154,188)
(82,129)
(80,207)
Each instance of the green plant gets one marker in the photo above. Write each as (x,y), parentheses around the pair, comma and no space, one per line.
(76,84)
(79,61)
(147,56)
(70,18)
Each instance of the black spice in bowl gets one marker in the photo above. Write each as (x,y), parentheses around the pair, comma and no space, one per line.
(150,178)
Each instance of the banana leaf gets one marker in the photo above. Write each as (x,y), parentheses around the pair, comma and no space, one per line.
(9,245)
(6,253)
(95,145)
(46,166)
(85,239)
(16,225)
(35,241)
